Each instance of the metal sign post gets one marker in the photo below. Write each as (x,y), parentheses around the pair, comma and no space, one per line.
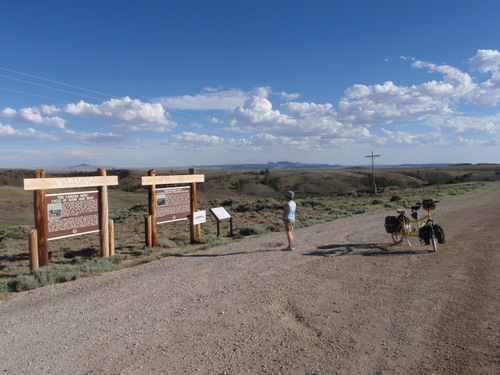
(220,213)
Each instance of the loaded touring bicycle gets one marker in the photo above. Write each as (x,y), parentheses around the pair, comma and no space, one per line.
(401,227)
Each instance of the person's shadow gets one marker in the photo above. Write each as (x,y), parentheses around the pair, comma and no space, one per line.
(370,249)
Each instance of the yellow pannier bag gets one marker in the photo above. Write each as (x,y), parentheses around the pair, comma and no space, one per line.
(428,204)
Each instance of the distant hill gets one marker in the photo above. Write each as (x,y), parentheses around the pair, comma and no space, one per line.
(255,166)
(272,165)
(76,168)
(296,165)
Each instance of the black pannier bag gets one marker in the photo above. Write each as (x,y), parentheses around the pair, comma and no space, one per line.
(391,224)
(439,232)
(425,234)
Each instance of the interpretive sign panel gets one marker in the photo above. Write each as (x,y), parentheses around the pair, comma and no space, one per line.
(220,213)
(173,204)
(72,214)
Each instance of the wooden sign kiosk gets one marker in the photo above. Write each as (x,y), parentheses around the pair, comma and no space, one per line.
(39,249)
(151,220)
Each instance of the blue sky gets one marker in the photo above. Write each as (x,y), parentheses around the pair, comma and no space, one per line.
(179,83)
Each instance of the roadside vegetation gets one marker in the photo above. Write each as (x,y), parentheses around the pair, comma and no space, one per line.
(253,198)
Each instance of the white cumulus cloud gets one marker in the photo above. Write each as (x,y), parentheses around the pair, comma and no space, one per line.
(125,114)
(257,112)
(486,60)
(210,100)
(33,115)
(8,133)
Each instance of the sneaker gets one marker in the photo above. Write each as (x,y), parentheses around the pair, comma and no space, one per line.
(289,248)
(292,248)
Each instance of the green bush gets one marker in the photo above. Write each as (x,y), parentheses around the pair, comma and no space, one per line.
(55,274)
(396,198)
(166,243)
(250,230)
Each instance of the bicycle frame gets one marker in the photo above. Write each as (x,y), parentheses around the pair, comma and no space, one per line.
(405,229)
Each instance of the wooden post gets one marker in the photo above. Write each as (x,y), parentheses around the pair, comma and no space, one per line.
(372,156)
(147,224)
(33,250)
(41,223)
(195,229)
(111,237)
(103,217)
(153,225)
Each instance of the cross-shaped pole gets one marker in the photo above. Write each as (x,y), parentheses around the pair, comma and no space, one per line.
(372,156)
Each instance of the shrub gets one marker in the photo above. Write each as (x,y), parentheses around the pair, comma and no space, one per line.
(253,229)
(57,274)
(118,258)
(23,283)
(166,243)
(396,198)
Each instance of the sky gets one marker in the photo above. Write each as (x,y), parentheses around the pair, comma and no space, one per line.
(155,84)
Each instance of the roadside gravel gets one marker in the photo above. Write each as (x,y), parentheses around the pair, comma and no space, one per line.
(346,301)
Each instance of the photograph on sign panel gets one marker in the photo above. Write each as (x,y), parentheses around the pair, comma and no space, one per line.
(160,200)
(55,210)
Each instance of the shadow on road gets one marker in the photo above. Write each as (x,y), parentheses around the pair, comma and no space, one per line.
(223,254)
(371,249)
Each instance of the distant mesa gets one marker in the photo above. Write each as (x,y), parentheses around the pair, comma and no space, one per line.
(84,167)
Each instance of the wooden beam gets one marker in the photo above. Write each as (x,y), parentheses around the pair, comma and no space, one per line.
(179,179)
(68,182)
(41,222)
(195,229)
(152,213)
(147,225)
(33,244)
(103,217)
(111,237)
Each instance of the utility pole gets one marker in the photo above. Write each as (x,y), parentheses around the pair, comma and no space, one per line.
(372,156)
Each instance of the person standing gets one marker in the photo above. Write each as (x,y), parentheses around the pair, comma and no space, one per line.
(289,218)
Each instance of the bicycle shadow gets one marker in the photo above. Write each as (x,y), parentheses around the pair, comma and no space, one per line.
(371,249)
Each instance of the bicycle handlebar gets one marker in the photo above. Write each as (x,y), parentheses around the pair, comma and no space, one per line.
(417,205)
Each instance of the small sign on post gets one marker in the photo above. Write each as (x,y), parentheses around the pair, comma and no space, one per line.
(220,213)
(199,217)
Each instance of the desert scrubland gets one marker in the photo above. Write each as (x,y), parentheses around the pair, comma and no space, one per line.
(346,301)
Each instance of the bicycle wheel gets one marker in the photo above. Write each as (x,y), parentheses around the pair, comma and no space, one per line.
(398,235)
(433,239)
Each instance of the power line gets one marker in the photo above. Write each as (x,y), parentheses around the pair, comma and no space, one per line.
(49,87)
(181,114)
(56,82)
(28,93)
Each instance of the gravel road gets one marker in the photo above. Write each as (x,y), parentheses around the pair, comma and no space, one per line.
(346,301)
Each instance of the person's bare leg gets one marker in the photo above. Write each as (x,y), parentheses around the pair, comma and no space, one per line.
(289,235)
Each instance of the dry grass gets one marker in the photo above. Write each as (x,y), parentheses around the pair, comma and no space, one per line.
(253,198)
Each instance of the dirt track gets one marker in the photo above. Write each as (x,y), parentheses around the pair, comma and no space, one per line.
(345,302)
